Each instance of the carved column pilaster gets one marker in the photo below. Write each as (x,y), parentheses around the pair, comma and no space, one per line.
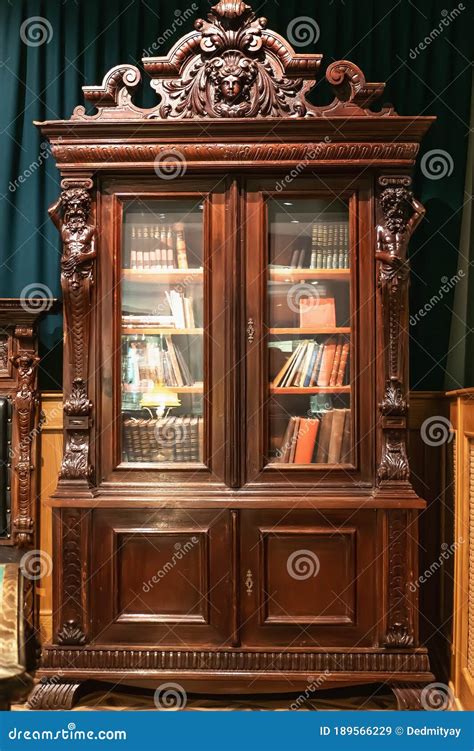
(400,610)
(73,529)
(25,404)
(72,216)
(399,215)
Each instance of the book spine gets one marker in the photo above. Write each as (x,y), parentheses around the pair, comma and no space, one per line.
(325,246)
(181,253)
(343,364)
(314,247)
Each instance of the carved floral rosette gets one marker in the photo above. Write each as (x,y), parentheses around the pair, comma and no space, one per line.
(399,215)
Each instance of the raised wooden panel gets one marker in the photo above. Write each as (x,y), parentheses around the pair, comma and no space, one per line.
(309,578)
(296,563)
(181,557)
(162,577)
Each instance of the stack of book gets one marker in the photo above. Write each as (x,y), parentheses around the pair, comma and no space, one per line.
(165,439)
(181,309)
(146,363)
(317,440)
(330,245)
(158,246)
(315,363)
(182,314)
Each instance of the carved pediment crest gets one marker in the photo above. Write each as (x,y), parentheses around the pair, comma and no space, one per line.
(232,66)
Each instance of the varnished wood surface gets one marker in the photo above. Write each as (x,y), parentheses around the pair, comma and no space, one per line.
(212,620)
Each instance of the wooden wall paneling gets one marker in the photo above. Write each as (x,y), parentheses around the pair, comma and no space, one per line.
(462,419)
(429,446)
(51,455)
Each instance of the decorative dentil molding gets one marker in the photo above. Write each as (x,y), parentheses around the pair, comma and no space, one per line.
(149,658)
(25,403)
(400,214)
(232,66)
(71,214)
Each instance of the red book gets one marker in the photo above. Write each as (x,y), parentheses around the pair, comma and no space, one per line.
(317,311)
(342,365)
(307,433)
(335,366)
(327,363)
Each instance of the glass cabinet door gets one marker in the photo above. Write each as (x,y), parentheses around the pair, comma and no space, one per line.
(308,309)
(310,351)
(162,358)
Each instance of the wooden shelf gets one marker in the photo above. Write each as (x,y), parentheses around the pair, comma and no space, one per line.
(163,276)
(310,331)
(157,330)
(197,389)
(310,389)
(295,275)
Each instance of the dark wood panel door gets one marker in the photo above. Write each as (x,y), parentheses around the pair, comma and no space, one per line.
(162,578)
(309,579)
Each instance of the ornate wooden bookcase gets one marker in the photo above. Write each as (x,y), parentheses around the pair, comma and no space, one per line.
(225,517)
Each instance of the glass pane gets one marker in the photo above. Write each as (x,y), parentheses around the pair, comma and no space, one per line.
(162,332)
(309,334)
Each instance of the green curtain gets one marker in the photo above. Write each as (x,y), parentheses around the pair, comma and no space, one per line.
(84,38)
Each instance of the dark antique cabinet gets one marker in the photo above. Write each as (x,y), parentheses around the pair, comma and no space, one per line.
(234,510)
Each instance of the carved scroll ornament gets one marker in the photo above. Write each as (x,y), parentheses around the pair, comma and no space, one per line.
(232,66)
(25,405)
(71,215)
(400,216)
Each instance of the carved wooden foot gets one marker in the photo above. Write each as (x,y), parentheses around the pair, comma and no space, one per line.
(421,697)
(56,695)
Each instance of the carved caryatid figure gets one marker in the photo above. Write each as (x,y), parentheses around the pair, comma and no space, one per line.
(401,214)
(70,214)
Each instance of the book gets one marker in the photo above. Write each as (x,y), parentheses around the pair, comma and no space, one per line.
(327,363)
(346,440)
(294,259)
(317,311)
(294,440)
(181,254)
(285,448)
(335,366)
(306,439)
(335,439)
(322,450)
(342,364)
